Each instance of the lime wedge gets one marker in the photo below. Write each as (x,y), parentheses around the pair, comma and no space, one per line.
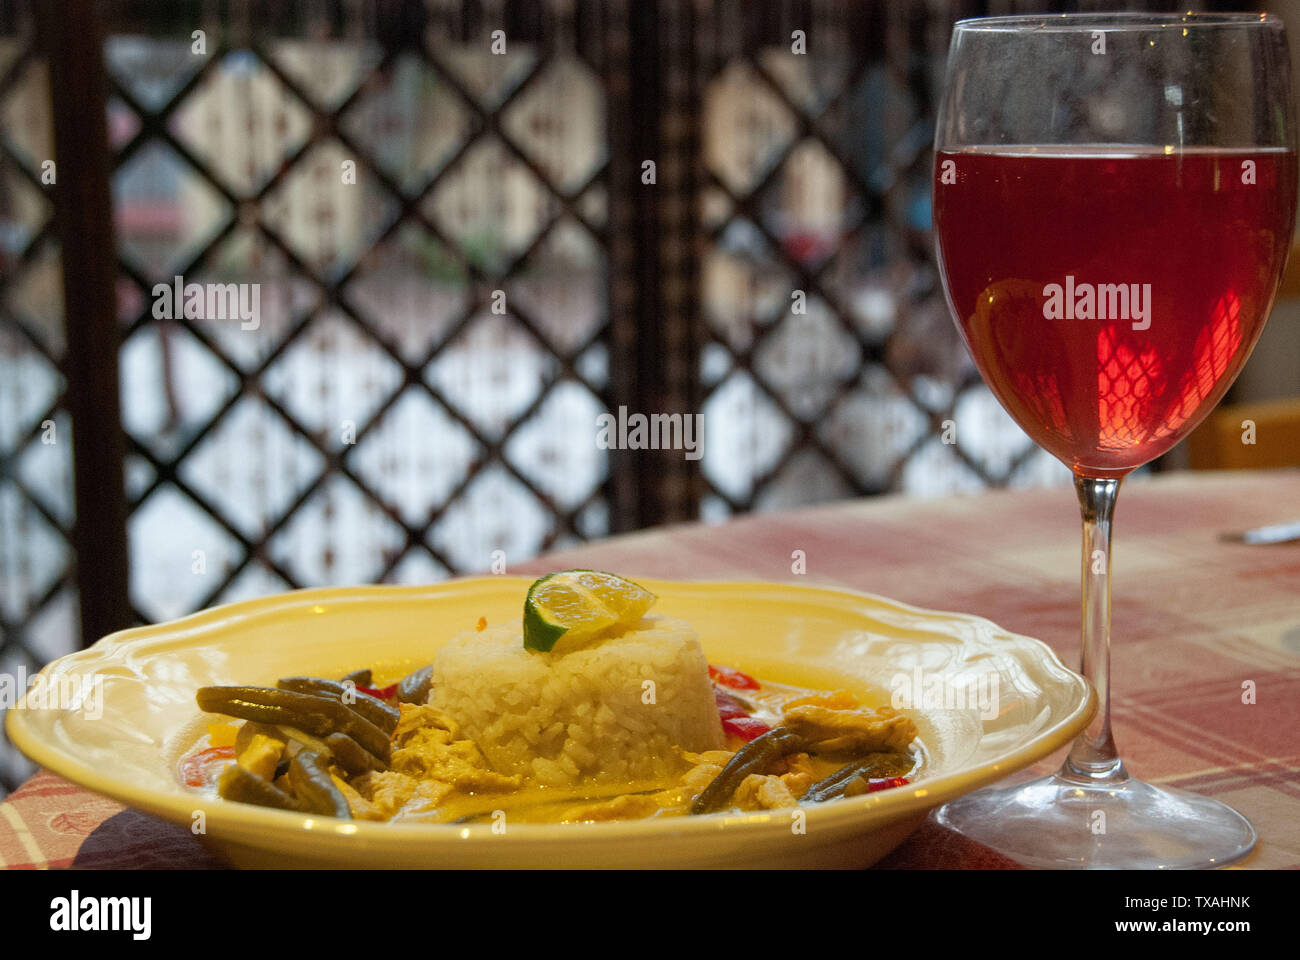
(580,605)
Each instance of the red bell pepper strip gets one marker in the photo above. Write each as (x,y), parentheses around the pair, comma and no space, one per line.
(886,783)
(729,707)
(202,768)
(733,678)
(747,728)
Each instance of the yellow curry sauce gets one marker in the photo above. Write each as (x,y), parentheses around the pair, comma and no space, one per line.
(437,776)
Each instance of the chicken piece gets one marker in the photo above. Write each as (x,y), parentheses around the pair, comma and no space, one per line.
(707,766)
(361,808)
(459,762)
(795,771)
(720,757)
(425,747)
(261,755)
(835,700)
(386,790)
(420,718)
(760,792)
(629,806)
(429,763)
(393,793)
(864,730)
(428,794)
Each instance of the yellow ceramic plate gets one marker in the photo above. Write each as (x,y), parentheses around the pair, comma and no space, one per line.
(127,747)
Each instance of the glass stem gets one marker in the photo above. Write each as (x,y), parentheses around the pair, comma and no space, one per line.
(1094,757)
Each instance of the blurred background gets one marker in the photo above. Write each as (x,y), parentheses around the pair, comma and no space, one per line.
(460,266)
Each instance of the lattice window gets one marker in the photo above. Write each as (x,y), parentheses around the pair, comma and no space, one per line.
(38,596)
(832,364)
(423,384)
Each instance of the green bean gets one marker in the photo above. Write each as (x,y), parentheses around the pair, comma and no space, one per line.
(872,765)
(316,715)
(360,677)
(414,687)
(311,781)
(376,711)
(239,784)
(351,756)
(752,757)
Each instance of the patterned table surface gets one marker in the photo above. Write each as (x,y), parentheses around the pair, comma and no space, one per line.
(1194,619)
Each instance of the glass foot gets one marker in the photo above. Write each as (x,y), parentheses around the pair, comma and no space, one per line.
(1119,824)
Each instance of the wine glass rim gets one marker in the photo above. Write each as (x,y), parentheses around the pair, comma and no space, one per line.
(1068,22)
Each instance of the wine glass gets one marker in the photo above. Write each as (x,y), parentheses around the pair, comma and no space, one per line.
(1114,201)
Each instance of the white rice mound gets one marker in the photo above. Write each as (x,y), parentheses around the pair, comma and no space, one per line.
(580,717)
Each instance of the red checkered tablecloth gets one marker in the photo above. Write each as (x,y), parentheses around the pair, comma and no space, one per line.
(1194,618)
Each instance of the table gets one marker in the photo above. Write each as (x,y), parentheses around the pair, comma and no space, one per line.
(1194,619)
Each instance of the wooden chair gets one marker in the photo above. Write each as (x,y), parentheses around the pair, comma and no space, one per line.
(1221,442)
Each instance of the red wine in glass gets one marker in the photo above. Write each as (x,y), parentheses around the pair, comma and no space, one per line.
(1110,296)
(1114,200)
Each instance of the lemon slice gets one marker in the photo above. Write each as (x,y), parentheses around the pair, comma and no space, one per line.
(580,605)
